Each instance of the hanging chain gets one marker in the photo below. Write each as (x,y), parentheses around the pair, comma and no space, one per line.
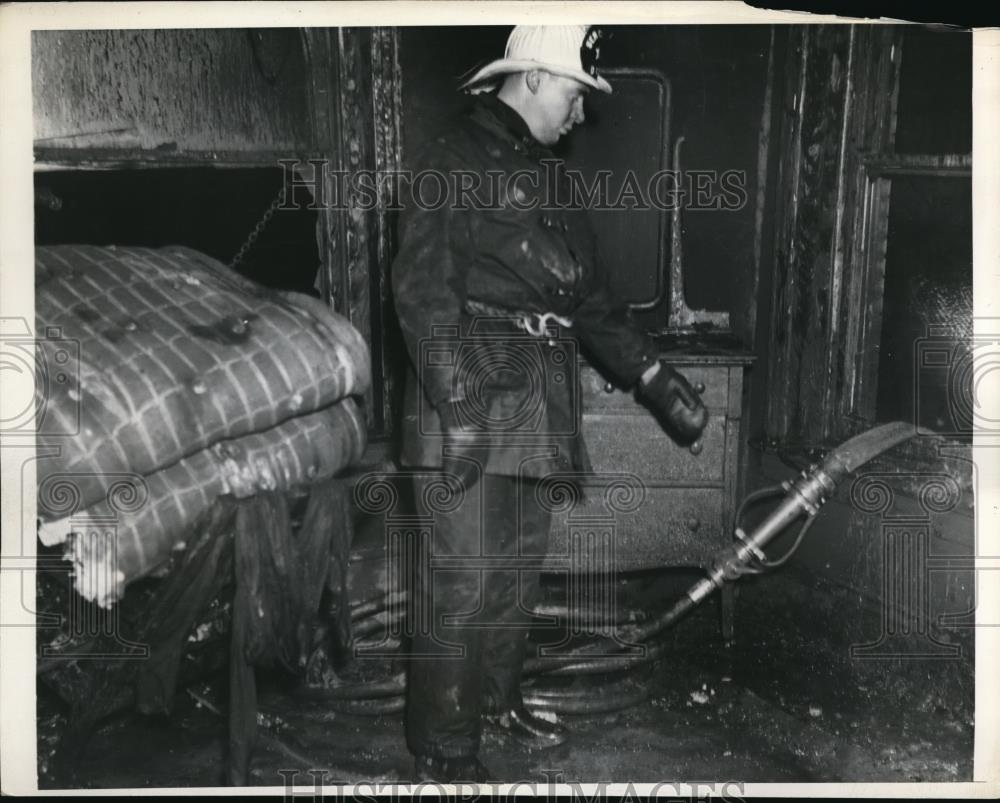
(261,225)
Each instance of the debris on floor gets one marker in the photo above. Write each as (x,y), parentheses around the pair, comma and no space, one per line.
(784,703)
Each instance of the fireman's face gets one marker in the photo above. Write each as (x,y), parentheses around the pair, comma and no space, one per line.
(558,106)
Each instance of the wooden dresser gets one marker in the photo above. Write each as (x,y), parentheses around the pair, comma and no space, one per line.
(652,503)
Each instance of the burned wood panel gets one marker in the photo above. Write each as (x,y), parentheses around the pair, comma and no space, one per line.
(369,112)
(323,85)
(355,98)
(872,130)
(170,90)
(387,342)
(839,104)
(356,117)
(822,113)
(782,391)
(761,199)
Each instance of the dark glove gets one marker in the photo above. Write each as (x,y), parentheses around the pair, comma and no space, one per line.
(462,443)
(672,396)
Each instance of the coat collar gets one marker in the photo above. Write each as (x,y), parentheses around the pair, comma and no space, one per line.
(493,113)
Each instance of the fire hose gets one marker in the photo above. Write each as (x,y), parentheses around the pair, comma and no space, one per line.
(803,497)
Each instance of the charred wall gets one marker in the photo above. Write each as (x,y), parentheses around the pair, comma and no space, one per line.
(171,90)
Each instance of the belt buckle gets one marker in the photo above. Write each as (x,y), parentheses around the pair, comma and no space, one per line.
(543,320)
(539,318)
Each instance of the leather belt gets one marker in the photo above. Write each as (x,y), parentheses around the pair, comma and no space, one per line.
(534,323)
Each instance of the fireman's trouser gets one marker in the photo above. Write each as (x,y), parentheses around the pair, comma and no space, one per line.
(478,611)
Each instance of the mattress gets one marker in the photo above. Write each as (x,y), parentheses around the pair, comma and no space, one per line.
(168,380)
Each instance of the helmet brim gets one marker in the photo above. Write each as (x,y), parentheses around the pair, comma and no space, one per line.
(480,82)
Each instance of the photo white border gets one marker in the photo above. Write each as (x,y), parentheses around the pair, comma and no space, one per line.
(17,643)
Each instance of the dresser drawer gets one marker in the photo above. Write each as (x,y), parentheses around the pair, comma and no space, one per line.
(597,396)
(638,445)
(669,527)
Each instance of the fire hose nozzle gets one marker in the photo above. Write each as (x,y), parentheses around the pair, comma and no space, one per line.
(807,494)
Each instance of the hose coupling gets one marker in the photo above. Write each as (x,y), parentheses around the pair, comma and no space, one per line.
(811,489)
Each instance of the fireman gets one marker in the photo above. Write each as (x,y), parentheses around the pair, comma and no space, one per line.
(494,289)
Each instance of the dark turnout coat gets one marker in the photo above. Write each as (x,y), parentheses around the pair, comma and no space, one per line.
(494,239)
